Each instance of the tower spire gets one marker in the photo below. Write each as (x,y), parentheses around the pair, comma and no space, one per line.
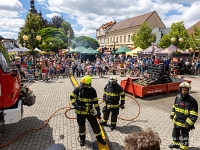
(32,7)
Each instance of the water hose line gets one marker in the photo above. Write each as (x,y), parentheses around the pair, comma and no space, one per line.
(68,108)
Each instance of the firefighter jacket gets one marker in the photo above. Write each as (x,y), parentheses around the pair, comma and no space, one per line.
(184,111)
(112,95)
(86,98)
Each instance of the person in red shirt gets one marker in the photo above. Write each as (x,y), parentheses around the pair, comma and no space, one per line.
(44,72)
(157,61)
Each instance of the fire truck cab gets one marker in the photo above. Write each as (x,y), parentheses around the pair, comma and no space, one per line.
(13,95)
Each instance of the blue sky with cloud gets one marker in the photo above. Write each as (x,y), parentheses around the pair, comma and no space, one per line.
(86,16)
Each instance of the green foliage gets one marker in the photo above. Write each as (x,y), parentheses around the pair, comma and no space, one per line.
(52,39)
(56,21)
(33,24)
(193,40)
(177,31)
(65,27)
(143,38)
(46,23)
(176,52)
(85,41)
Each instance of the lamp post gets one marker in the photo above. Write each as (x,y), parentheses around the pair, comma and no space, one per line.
(68,35)
(113,42)
(38,38)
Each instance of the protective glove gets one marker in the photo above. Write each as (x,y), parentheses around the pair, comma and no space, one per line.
(98,115)
(104,98)
(78,107)
(122,106)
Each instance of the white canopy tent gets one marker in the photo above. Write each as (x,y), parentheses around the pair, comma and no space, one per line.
(22,49)
(36,49)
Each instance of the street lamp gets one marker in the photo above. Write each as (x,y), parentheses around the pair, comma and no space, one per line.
(38,38)
(114,43)
(176,41)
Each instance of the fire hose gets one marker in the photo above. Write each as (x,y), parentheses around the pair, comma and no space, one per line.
(68,109)
(126,119)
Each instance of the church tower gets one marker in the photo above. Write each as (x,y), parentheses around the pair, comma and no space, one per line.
(32,8)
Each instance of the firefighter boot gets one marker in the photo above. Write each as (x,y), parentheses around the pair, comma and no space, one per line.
(112,127)
(101,140)
(174,146)
(103,123)
(82,140)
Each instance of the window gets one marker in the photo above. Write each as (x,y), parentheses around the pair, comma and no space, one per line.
(124,38)
(120,39)
(117,40)
(5,61)
(129,38)
(108,40)
(114,39)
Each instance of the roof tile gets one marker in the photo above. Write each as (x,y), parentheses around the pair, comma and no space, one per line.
(131,22)
(191,29)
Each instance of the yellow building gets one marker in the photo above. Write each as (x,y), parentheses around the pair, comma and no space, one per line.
(115,34)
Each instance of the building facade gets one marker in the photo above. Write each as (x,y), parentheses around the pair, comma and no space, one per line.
(190,30)
(159,32)
(101,33)
(119,34)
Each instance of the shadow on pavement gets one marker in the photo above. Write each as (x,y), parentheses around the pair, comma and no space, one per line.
(37,139)
(91,145)
(128,129)
(194,148)
(164,95)
(159,96)
(115,146)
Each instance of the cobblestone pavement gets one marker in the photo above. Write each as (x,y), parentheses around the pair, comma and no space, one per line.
(54,94)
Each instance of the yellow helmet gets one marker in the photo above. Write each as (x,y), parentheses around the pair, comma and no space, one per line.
(185,85)
(86,80)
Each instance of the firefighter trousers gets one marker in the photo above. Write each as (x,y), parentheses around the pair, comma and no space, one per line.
(115,113)
(81,119)
(181,137)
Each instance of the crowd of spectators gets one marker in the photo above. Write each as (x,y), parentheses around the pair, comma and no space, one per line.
(48,67)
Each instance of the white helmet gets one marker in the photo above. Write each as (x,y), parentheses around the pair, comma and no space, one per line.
(112,80)
(185,85)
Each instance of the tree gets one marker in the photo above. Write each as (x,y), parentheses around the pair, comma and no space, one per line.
(56,21)
(52,39)
(85,41)
(144,37)
(32,24)
(65,27)
(177,31)
(46,23)
(194,40)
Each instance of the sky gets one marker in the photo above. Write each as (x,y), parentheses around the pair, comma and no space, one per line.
(86,16)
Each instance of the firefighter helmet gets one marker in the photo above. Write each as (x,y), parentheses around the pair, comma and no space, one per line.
(185,85)
(86,80)
(112,80)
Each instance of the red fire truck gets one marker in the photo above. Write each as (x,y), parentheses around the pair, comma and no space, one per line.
(13,94)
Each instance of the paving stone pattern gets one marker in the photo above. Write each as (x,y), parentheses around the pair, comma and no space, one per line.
(52,95)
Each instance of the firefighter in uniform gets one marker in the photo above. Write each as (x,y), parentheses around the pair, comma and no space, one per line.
(83,98)
(184,115)
(112,93)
